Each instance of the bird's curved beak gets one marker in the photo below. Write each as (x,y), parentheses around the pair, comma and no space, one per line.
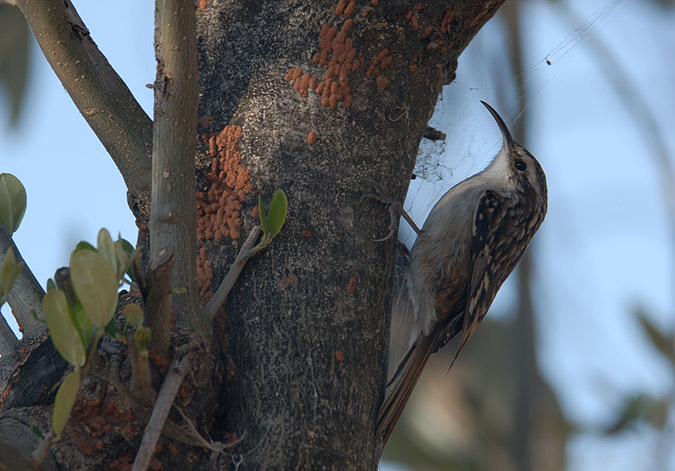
(506,134)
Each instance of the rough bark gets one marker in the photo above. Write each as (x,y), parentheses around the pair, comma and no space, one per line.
(304,333)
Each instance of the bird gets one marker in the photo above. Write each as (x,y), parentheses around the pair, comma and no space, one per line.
(471,241)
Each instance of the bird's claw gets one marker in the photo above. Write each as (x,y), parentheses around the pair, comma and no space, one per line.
(393,227)
(394,206)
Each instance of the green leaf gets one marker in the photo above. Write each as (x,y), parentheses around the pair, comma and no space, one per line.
(142,338)
(34,315)
(134,315)
(12,202)
(8,274)
(50,285)
(261,214)
(277,213)
(37,432)
(65,400)
(126,245)
(107,249)
(65,335)
(84,245)
(83,323)
(125,253)
(95,284)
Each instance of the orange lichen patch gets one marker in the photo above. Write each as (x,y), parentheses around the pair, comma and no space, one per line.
(173,451)
(92,421)
(410,16)
(305,234)
(205,121)
(446,19)
(337,54)
(301,83)
(382,82)
(311,138)
(352,285)
(204,276)
(123,463)
(213,147)
(434,31)
(218,208)
(202,4)
(349,9)
(339,356)
(381,60)
(413,68)
(340,58)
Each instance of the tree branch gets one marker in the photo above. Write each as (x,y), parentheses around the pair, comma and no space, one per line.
(104,100)
(7,338)
(26,295)
(141,377)
(42,449)
(174,378)
(228,282)
(157,289)
(173,214)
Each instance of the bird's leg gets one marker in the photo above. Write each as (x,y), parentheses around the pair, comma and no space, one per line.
(394,207)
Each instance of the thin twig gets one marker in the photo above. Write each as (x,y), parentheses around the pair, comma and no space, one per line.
(26,294)
(104,100)
(40,452)
(141,379)
(226,285)
(172,381)
(186,434)
(189,435)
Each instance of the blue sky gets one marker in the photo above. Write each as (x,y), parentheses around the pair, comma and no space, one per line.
(604,248)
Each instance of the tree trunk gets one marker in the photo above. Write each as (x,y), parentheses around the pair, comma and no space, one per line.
(319,99)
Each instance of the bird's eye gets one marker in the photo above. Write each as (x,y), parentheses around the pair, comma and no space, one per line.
(521,166)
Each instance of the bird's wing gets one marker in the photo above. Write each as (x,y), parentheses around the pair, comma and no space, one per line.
(482,287)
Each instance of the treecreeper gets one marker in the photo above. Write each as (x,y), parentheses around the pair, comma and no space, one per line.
(471,241)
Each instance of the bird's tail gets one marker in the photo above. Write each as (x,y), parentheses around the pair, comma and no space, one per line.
(404,380)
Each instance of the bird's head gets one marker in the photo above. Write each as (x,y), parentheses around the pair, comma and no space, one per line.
(517,166)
